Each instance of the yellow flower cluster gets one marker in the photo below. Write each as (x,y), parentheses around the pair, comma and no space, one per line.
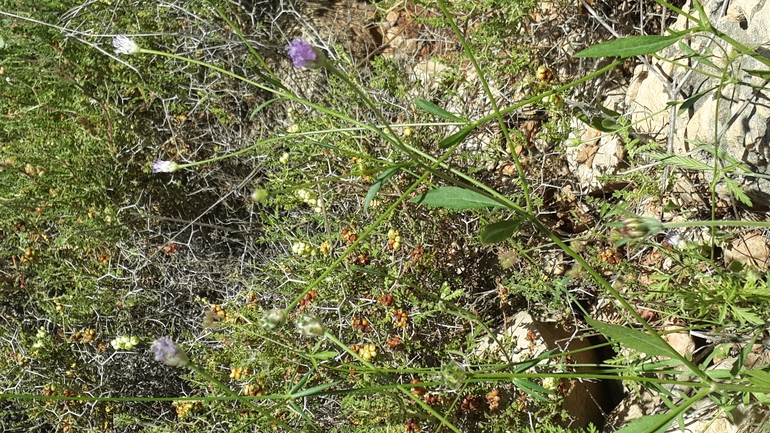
(185,407)
(303,249)
(367,352)
(237,372)
(394,239)
(311,199)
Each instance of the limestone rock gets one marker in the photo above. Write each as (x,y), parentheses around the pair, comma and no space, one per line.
(531,338)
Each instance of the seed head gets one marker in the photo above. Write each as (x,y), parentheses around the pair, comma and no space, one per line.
(169,353)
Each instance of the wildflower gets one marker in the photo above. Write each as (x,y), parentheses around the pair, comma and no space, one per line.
(636,227)
(161,166)
(124,45)
(274,319)
(260,195)
(674,240)
(304,55)
(169,353)
(310,326)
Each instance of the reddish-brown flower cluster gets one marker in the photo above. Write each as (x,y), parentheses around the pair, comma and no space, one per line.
(493,400)
(417,252)
(393,342)
(349,235)
(86,336)
(362,259)
(430,399)
(252,390)
(361,325)
(307,300)
(401,318)
(418,391)
(386,300)
(472,403)
(610,256)
(412,426)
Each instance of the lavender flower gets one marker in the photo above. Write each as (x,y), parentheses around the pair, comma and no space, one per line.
(304,55)
(124,45)
(169,353)
(161,166)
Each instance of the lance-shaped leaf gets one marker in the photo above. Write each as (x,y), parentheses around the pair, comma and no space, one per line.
(456,137)
(630,46)
(436,110)
(500,231)
(652,345)
(453,197)
(377,185)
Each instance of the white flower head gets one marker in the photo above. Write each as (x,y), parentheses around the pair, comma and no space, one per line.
(161,166)
(124,45)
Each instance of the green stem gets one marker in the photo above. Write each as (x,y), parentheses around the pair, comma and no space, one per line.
(492,101)
(715,224)
(200,371)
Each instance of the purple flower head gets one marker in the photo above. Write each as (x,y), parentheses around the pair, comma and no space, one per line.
(169,353)
(304,55)
(161,166)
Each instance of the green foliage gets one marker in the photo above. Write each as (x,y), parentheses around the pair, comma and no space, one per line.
(401,294)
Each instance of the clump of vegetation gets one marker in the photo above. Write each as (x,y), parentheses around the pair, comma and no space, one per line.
(204,231)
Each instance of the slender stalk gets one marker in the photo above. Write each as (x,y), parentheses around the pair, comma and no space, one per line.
(492,101)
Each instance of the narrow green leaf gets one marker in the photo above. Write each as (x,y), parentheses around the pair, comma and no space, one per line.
(499,231)
(328,354)
(689,102)
(436,110)
(694,55)
(532,389)
(630,46)
(377,185)
(652,345)
(263,105)
(453,197)
(596,122)
(456,137)
(526,365)
(680,161)
(645,424)
(314,390)
(759,378)
(610,125)
(763,74)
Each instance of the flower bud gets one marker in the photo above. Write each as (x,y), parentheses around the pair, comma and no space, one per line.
(273,319)
(124,45)
(161,166)
(169,353)
(637,227)
(452,375)
(310,325)
(260,195)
